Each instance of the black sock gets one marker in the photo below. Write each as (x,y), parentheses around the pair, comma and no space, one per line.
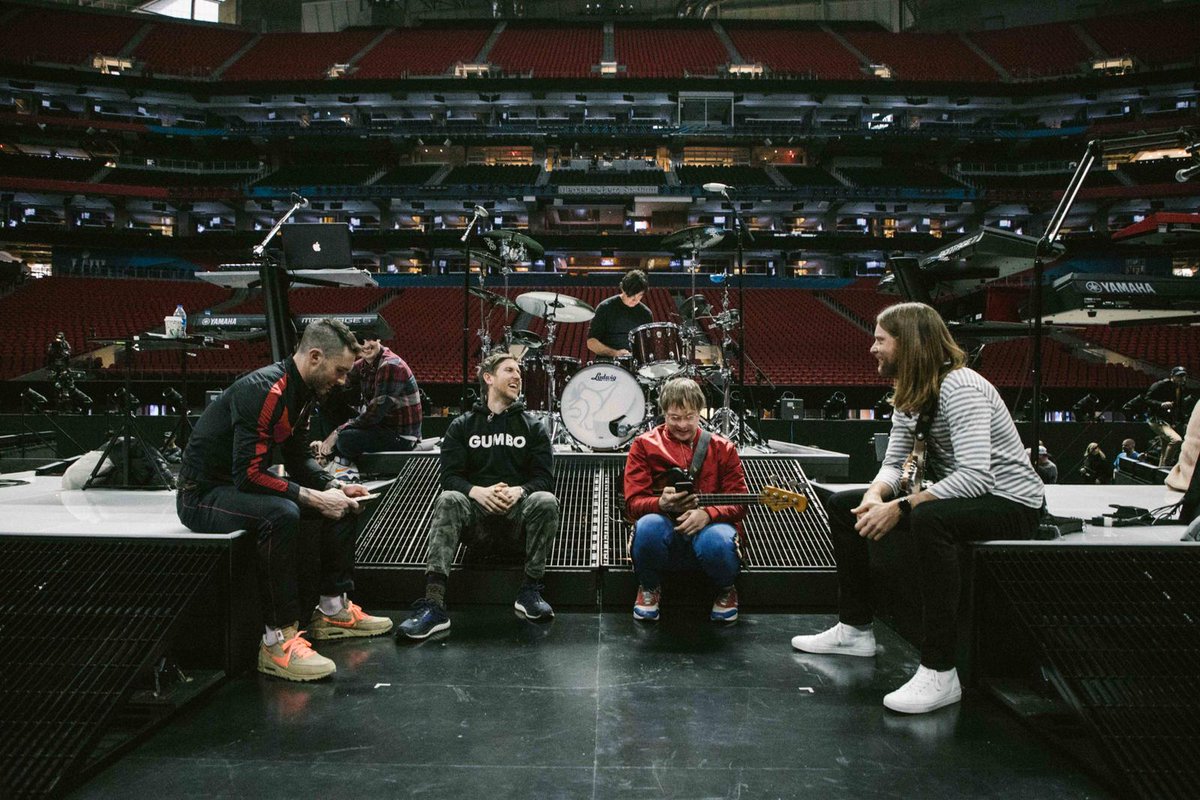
(435,588)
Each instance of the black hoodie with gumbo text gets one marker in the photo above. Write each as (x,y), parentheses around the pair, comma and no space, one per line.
(481,448)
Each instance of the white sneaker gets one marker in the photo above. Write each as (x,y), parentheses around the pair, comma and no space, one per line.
(345,470)
(840,639)
(926,691)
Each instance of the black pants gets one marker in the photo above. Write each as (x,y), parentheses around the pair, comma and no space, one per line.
(275,521)
(936,528)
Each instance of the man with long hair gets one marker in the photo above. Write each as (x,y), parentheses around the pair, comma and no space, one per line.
(983,486)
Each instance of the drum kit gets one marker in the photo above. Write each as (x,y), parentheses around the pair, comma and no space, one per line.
(603,405)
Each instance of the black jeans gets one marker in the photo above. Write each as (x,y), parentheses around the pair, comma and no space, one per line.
(936,528)
(275,521)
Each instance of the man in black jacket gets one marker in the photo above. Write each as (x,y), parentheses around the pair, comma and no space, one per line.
(1167,412)
(497,474)
(226,483)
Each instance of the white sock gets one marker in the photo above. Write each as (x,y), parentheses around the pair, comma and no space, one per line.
(272,636)
(332,604)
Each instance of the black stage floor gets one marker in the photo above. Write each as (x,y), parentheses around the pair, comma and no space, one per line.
(594,705)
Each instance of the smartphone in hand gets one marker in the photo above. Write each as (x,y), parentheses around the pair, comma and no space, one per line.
(684,486)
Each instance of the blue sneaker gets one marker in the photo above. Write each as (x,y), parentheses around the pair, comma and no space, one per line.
(530,604)
(426,618)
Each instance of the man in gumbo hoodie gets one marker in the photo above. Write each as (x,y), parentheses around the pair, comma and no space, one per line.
(497,473)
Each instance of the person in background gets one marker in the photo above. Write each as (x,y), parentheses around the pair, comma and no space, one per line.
(389,410)
(1166,413)
(1046,469)
(1128,450)
(1095,470)
(616,316)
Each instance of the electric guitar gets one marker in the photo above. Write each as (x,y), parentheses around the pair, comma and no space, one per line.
(773,497)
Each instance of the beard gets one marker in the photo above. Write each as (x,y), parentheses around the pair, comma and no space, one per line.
(887,368)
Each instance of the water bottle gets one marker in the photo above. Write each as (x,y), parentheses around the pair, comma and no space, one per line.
(182,316)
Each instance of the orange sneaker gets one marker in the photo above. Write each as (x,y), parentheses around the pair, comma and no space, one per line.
(350,621)
(293,659)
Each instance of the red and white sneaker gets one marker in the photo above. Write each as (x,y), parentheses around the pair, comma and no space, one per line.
(725,607)
(645,607)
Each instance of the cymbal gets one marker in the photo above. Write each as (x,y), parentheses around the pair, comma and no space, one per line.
(513,239)
(492,298)
(562,307)
(527,338)
(695,307)
(697,237)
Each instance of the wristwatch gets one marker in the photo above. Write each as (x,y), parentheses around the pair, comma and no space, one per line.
(905,507)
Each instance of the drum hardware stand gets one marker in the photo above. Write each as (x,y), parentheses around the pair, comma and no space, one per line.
(480,213)
(558,431)
(739,229)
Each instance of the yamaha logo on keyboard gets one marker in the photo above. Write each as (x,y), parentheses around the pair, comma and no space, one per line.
(1119,287)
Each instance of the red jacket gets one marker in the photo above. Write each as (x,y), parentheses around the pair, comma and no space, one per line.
(654,452)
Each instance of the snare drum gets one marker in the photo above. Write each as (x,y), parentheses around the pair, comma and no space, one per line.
(708,356)
(603,406)
(535,378)
(658,349)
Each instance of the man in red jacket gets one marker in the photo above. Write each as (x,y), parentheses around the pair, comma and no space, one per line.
(673,530)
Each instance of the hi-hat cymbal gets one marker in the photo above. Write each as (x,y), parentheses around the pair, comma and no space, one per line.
(513,239)
(492,298)
(697,237)
(562,307)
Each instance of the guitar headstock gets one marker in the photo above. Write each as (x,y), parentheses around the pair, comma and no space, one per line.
(778,499)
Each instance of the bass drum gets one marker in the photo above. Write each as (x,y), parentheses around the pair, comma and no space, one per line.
(603,407)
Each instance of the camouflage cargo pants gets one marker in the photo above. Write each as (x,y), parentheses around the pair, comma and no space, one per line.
(457,517)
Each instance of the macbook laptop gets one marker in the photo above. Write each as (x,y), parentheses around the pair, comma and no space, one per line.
(317,246)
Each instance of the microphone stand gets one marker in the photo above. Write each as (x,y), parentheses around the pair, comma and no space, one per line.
(739,229)
(281,330)
(466,327)
(1045,245)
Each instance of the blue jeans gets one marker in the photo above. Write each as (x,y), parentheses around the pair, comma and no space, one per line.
(657,547)
(353,442)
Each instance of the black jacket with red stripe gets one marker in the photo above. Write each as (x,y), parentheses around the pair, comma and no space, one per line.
(262,419)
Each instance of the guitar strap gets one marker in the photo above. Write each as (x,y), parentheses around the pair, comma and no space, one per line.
(699,454)
(921,445)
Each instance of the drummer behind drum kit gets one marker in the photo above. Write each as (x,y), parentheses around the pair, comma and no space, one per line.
(603,405)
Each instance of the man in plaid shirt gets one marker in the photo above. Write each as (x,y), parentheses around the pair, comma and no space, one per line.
(389,415)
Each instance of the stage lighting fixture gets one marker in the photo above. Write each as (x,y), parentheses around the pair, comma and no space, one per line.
(1087,407)
(835,406)
(883,406)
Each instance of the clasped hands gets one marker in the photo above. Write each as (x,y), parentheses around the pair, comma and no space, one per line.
(875,518)
(337,503)
(498,498)
(685,508)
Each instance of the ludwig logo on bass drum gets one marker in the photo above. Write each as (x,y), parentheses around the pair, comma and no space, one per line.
(604,377)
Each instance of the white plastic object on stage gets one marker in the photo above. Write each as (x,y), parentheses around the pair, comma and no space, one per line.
(603,406)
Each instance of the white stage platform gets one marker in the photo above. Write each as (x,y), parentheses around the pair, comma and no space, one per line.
(43,507)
